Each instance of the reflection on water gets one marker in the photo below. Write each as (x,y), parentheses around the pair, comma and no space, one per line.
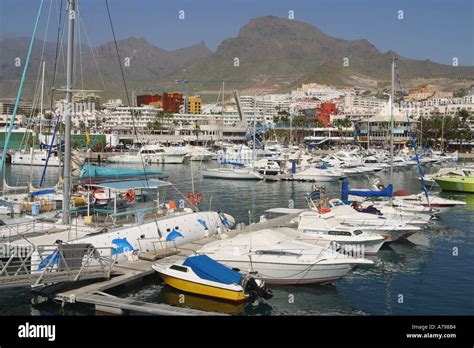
(429,277)
(177,298)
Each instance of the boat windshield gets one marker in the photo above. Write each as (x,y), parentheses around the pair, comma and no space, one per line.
(179,268)
(339,233)
(276,253)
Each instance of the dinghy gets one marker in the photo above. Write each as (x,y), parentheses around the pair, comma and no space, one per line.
(203,276)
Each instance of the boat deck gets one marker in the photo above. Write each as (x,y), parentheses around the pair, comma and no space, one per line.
(132,271)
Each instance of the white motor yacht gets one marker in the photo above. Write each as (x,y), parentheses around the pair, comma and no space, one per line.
(317,174)
(150,154)
(311,224)
(231,173)
(280,259)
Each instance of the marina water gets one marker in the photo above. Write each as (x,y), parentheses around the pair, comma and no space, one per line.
(433,277)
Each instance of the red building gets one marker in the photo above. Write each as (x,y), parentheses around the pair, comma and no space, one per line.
(172,102)
(147,99)
(324,112)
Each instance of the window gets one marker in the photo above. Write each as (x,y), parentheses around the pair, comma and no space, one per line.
(357,232)
(276,253)
(179,268)
(339,233)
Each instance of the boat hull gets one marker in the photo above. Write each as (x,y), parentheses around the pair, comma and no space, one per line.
(26,159)
(155,159)
(282,273)
(319,178)
(203,289)
(457,184)
(230,174)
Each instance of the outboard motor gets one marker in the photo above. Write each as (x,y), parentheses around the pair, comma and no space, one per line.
(256,288)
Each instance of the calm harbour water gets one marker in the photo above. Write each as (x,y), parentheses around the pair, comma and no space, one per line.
(430,278)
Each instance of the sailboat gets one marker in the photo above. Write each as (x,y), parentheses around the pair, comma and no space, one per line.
(173,228)
(37,157)
(235,170)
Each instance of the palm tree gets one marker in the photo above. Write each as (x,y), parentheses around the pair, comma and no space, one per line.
(196,130)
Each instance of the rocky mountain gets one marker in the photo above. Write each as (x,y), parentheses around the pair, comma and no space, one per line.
(144,64)
(270,51)
(271,47)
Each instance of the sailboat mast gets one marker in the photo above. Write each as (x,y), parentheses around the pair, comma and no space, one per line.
(41,105)
(254,127)
(67,131)
(222,113)
(391,119)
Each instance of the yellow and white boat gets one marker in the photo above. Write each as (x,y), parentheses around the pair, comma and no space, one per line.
(203,276)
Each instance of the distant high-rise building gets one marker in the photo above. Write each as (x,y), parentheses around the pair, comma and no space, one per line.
(86,101)
(148,99)
(194,105)
(172,102)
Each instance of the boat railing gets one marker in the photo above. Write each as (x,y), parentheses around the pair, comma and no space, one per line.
(10,231)
(38,227)
(157,244)
(41,264)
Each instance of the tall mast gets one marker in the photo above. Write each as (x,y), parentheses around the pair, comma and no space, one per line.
(421,131)
(254,127)
(391,120)
(222,112)
(368,128)
(41,105)
(67,131)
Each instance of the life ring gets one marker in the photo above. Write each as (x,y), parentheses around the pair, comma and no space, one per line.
(130,196)
(325,210)
(193,199)
(198,198)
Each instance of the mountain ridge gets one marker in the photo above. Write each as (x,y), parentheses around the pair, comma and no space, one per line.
(270,51)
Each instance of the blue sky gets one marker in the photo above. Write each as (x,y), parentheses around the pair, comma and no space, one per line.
(434,29)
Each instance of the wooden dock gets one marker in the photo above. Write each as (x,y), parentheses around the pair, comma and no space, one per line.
(132,271)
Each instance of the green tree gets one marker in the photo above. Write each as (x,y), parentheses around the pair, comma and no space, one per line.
(196,130)
(158,121)
(82,126)
(342,123)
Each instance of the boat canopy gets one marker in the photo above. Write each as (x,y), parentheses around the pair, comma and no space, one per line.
(122,186)
(345,192)
(93,171)
(43,192)
(237,164)
(207,268)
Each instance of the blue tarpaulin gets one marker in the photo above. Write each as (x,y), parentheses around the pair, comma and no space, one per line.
(237,164)
(207,268)
(43,192)
(345,192)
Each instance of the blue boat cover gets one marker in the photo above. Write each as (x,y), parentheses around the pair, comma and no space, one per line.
(92,171)
(345,192)
(237,164)
(43,192)
(207,268)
